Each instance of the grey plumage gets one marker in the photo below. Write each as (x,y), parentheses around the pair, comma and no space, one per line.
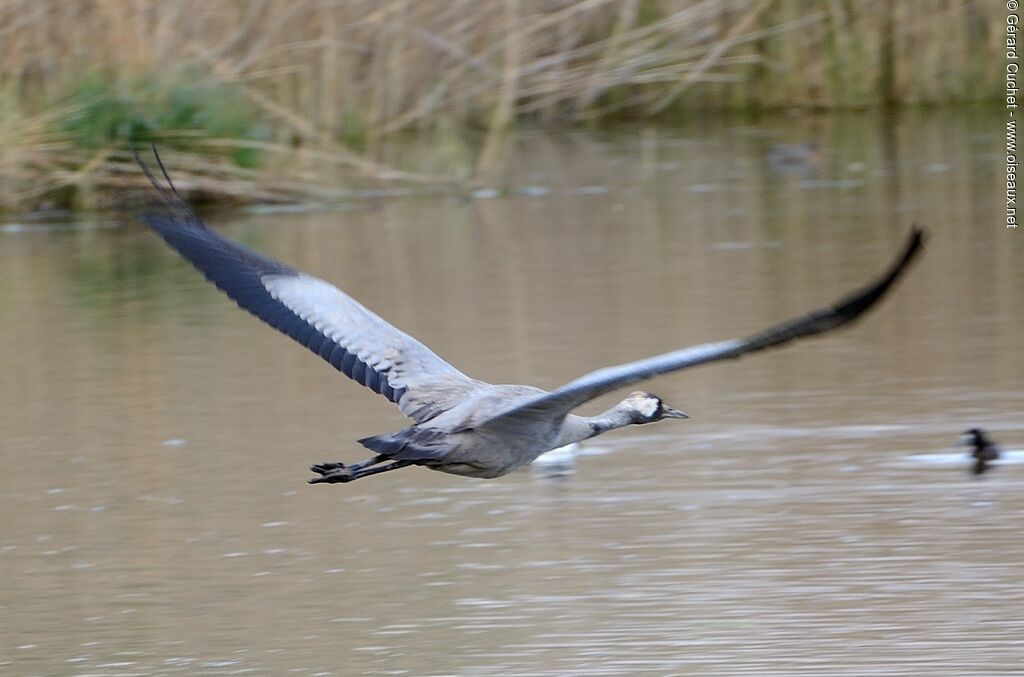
(461,425)
(330,323)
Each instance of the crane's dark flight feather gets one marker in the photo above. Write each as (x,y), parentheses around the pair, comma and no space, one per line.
(596,383)
(257,283)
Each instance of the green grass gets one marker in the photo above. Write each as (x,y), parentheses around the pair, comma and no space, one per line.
(178,113)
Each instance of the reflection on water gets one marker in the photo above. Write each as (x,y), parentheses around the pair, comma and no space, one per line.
(155,440)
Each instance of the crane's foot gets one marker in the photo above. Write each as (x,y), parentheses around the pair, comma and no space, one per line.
(333,473)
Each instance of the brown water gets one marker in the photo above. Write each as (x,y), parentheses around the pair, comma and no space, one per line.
(813,518)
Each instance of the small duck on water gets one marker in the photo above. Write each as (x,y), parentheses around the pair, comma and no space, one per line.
(983,450)
(800,159)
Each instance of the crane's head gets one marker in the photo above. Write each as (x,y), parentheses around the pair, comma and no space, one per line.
(648,408)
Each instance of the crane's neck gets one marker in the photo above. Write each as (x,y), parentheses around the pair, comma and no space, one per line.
(579,428)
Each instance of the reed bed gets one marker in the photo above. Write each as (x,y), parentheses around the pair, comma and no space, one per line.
(304,95)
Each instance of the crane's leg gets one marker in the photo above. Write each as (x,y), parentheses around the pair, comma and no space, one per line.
(327,467)
(332,473)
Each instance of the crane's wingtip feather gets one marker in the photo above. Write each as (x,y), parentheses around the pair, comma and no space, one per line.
(919,235)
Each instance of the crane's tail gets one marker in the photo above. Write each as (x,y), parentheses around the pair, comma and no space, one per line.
(410,444)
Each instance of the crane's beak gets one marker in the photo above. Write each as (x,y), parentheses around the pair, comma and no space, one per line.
(669,412)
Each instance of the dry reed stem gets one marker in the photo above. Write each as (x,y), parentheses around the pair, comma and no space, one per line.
(364,71)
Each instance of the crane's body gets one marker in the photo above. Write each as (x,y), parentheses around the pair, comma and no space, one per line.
(461,425)
(456,440)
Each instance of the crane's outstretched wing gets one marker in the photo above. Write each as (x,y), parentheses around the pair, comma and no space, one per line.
(596,383)
(315,313)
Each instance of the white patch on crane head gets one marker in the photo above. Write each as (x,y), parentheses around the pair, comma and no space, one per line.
(646,404)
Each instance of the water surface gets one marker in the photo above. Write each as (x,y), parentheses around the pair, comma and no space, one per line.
(155,439)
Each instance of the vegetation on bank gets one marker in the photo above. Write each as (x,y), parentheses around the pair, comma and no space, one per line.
(290,99)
